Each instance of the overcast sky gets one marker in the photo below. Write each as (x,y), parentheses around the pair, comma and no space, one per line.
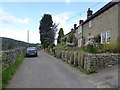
(16,18)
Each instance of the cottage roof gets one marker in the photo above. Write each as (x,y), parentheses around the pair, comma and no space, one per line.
(103,9)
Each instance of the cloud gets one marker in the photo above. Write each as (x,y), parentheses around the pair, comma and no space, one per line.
(20,35)
(34,37)
(54,0)
(61,19)
(10,28)
(67,1)
(6,18)
(14,34)
(66,20)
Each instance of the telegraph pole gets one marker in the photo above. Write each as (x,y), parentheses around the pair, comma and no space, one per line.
(28,36)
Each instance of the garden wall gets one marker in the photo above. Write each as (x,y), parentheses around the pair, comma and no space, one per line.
(10,56)
(89,60)
(100,61)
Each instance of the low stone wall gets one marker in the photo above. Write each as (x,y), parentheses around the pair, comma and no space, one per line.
(10,56)
(89,60)
(99,61)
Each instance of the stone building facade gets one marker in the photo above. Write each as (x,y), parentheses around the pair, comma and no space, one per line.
(79,33)
(104,23)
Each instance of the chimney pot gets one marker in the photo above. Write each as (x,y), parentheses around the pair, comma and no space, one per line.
(75,25)
(80,22)
(89,13)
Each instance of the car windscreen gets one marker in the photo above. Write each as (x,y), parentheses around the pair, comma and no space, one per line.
(31,48)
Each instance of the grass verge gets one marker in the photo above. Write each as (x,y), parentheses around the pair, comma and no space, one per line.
(85,71)
(8,73)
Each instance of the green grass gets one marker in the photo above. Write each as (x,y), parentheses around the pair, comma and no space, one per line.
(0,57)
(8,73)
(86,71)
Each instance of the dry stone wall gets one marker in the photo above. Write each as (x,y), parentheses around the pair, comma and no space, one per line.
(10,56)
(100,60)
(89,60)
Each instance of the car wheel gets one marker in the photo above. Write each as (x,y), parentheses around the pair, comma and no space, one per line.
(36,55)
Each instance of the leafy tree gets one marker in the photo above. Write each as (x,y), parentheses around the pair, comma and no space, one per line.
(75,40)
(70,38)
(64,40)
(60,35)
(47,30)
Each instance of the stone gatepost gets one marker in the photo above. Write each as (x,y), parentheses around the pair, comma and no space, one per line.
(82,60)
(69,57)
(75,58)
(79,59)
(65,58)
(62,55)
(72,58)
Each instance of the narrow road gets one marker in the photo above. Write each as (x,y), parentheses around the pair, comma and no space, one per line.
(46,71)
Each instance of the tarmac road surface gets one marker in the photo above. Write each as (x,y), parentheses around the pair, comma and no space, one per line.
(46,71)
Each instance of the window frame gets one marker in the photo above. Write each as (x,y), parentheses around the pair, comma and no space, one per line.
(90,24)
(108,36)
(103,37)
(80,29)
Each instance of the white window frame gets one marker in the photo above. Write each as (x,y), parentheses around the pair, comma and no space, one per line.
(80,29)
(107,36)
(90,24)
(103,37)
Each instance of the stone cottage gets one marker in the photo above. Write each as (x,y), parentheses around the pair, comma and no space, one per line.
(104,23)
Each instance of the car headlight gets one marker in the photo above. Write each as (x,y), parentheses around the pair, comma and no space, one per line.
(35,51)
(27,51)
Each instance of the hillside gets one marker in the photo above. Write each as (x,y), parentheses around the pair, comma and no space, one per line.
(8,43)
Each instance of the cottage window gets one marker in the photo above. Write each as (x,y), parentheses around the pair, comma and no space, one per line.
(90,24)
(80,30)
(103,37)
(107,36)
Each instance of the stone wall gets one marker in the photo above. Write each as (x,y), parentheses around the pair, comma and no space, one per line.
(89,60)
(100,61)
(10,56)
(106,21)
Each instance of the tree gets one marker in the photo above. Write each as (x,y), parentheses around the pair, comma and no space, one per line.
(47,30)
(70,38)
(60,35)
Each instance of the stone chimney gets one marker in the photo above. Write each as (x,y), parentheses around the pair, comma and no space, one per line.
(80,22)
(73,30)
(89,13)
(75,26)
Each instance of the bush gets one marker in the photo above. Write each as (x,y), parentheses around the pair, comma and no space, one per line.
(60,46)
(112,48)
(87,71)
(102,48)
(90,48)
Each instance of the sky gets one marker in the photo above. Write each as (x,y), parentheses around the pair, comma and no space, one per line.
(16,18)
